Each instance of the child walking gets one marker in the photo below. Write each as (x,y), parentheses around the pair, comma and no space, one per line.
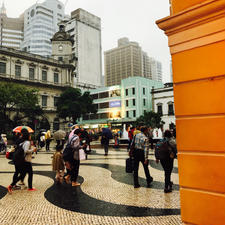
(58,164)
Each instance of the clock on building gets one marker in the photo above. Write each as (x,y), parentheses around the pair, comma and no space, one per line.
(60,47)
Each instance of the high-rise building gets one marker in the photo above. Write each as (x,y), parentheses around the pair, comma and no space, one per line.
(85,29)
(40,24)
(146,65)
(156,69)
(128,60)
(11,30)
(122,62)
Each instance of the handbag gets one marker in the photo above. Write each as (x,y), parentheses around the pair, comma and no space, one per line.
(82,155)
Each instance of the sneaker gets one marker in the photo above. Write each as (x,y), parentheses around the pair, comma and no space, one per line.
(75,184)
(16,187)
(32,189)
(9,188)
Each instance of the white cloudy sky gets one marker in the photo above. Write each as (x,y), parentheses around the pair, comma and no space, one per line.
(134,19)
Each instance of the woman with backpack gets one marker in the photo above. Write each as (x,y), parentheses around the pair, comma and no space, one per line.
(22,160)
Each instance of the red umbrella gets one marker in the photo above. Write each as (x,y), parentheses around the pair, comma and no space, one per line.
(19,128)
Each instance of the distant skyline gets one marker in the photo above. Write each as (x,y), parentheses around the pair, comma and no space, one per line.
(120,18)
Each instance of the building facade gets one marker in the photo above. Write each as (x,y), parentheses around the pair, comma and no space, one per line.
(11,30)
(40,24)
(48,75)
(128,60)
(85,29)
(122,103)
(163,103)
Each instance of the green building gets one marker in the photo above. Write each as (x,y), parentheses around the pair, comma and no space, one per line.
(121,104)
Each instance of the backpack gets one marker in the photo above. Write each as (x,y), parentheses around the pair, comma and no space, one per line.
(68,151)
(162,149)
(19,156)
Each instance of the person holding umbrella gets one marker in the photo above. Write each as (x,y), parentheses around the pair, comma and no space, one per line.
(25,165)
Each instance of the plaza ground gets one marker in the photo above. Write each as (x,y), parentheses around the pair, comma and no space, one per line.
(106,195)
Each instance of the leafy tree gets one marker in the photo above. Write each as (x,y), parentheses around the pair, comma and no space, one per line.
(19,99)
(150,119)
(72,104)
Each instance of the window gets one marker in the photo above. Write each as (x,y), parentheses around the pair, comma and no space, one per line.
(104,95)
(17,71)
(2,67)
(127,114)
(56,99)
(44,75)
(144,102)
(133,91)
(31,73)
(104,105)
(44,101)
(143,91)
(134,102)
(159,109)
(60,58)
(94,96)
(134,113)
(126,92)
(170,109)
(56,78)
(127,103)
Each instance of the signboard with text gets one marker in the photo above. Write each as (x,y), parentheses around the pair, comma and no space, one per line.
(114,104)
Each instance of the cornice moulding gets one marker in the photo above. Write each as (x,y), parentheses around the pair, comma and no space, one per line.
(193,16)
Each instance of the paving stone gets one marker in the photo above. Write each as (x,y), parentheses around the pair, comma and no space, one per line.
(106,195)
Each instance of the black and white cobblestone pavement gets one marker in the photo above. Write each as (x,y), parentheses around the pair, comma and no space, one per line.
(106,195)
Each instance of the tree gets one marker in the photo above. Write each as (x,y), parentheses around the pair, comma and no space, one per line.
(19,99)
(150,119)
(72,104)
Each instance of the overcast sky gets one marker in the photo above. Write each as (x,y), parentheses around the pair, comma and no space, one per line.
(134,19)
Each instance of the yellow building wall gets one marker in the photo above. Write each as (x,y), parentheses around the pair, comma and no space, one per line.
(196,37)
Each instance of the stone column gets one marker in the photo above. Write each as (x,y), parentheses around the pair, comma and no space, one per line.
(196,34)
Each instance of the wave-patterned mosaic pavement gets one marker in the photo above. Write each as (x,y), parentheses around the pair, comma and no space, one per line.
(106,195)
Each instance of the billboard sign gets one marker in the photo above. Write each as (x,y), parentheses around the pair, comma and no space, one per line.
(114,104)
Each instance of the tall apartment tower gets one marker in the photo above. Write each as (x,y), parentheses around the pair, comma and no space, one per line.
(40,24)
(156,69)
(85,29)
(146,66)
(11,30)
(122,62)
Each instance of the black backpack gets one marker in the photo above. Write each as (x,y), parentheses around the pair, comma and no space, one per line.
(19,156)
(68,151)
(163,150)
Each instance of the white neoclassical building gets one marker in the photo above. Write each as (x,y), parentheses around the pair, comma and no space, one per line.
(163,103)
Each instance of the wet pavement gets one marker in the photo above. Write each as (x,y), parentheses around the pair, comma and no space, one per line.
(106,194)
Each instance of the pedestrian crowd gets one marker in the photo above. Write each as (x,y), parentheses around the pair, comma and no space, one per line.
(73,148)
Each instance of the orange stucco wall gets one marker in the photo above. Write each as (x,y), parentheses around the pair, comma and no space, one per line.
(196,37)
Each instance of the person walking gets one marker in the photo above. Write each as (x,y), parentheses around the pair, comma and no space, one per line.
(166,156)
(74,161)
(106,136)
(140,154)
(23,165)
(47,140)
(58,164)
